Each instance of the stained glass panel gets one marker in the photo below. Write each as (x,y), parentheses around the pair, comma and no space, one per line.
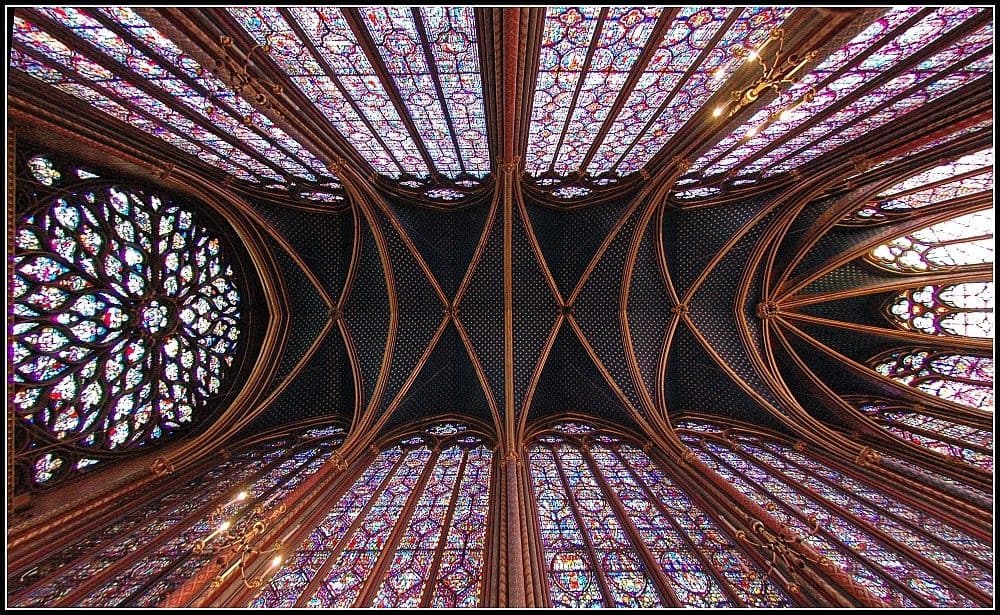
(584,483)
(836,77)
(623,34)
(855,524)
(749,30)
(126,318)
(415,518)
(137,549)
(572,578)
(149,68)
(964,240)
(337,47)
(953,309)
(961,378)
(567,34)
(949,438)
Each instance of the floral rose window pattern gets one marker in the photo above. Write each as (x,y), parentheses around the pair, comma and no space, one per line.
(126,318)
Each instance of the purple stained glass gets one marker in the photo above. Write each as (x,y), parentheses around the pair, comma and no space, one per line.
(953,309)
(117,340)
(860,117)
(832,83)
(328,32)
(749,30)
(395,34)
(443,534)
(850,539)
(962,241)
(629,584)
(165,77)
(935,143)
(747,580)
(138,542)
(961,378)
(573,581)
(72,73)
(623,35)
(692,583)
(567,34)
(451,33)
(288,584)
(459,576)
(406,580)
(268,26)
(961,442)
(343,583)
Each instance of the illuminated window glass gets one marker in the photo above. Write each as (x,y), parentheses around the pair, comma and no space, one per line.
(952,309)
(331,68)
(961,378)
(409,532)
(209,121)
(126,317)
(443,91)
(137,560)
(962,442)
(749,30)
(963,240)
(770,141)
(584,481)
(968,175)
(901,554)
(574,95)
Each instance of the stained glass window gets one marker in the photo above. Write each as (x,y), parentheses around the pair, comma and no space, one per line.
(138,559)
(409,532)
(969,444)
(126,317)
(429,55)
(586,59)
(951,309)
(116,61)
(968,175)
(905,555)
(962,378)
(819,113)
(960,241)
(608,516)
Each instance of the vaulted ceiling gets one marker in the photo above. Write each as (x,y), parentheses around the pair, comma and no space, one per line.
(507,213)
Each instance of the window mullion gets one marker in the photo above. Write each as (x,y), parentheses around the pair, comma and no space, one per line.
(835,541)
(723,582)
(96,581)
(371,585)
(652,566)
(609,600)
(324,570)
(431,582)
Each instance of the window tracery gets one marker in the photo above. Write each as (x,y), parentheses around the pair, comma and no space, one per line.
(601,503)
(968,175)
(126,318)
(138,559)
(962,442)
(840,109)
(964,309)
(962,378)
(902,554)
(409,531)
(961,241)
(114,60)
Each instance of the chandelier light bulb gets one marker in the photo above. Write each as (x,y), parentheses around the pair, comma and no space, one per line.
(275,561)
(242,495)
(717,112)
